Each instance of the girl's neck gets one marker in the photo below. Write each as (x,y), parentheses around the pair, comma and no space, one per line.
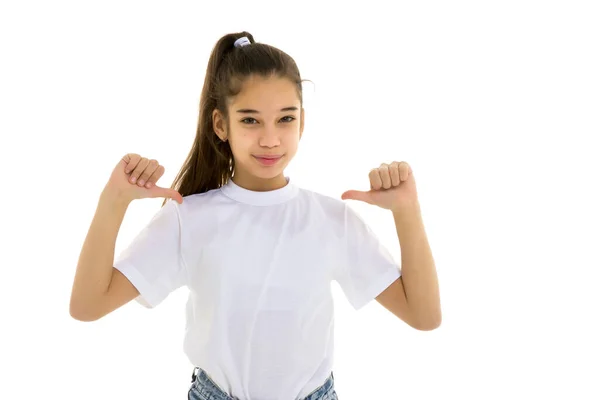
(256,184)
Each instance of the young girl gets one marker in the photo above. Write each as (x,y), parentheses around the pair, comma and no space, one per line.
(257,253)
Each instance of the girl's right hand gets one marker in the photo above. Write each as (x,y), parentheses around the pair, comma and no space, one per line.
(135,177)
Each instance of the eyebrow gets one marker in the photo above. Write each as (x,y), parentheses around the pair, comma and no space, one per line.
(249,111)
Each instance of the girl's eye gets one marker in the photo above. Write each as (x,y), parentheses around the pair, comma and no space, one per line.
(252,121)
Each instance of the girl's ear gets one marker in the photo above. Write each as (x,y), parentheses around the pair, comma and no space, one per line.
(219,125)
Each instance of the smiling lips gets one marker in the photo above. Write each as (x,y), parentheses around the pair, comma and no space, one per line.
(267,160)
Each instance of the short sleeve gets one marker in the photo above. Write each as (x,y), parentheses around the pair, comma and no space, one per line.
(153,261)
(367,267)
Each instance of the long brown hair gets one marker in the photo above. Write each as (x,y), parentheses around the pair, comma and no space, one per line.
(210,163)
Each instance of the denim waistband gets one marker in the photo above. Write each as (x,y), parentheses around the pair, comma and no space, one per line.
(204,386)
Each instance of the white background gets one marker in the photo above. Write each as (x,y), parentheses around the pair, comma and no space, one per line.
(494,104)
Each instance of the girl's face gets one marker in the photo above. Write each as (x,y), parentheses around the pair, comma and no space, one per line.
(265,125)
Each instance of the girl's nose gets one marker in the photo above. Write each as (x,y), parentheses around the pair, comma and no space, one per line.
(269,138)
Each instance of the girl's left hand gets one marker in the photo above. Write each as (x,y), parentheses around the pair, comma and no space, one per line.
(393,188)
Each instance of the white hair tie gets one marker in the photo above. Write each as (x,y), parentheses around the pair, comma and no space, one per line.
(241,42)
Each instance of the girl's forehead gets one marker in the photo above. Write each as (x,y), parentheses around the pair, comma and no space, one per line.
(267,95)
(271,86)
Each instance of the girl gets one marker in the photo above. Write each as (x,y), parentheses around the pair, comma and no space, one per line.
(257,253)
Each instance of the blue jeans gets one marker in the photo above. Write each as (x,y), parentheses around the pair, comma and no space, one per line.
(203,388)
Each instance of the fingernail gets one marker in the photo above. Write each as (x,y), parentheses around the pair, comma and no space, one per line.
(133,179)
(148,185)
(141,182)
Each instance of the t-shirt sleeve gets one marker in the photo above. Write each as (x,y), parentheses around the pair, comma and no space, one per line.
(153,261)
(367,267)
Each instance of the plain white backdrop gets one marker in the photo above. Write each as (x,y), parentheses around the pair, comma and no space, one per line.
(494,104)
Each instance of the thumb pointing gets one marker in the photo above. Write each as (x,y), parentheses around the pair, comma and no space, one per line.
(175,195)
(356,195)
(167,193)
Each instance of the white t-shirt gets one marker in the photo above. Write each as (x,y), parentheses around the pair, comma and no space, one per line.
(259,267)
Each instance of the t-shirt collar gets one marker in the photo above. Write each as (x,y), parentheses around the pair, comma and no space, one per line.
(271,197)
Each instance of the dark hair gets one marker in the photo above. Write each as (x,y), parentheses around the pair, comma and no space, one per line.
(210,164)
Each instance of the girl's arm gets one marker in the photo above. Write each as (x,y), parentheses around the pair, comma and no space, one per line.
(415,297)
(91,297)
